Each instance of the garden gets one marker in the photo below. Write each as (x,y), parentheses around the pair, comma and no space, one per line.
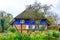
(11,34)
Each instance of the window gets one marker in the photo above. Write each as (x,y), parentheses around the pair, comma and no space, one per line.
(22,21)
(37,27)
(33,26)
(30,26)
(40,26)
(27,26)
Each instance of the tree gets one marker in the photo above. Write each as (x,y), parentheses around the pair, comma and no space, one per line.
(55,17)
(37,10)
(46,8)
(40,8)
(5,19)
(2,13)
(50,15)
(2,19)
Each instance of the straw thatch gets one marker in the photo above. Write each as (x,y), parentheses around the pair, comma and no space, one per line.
(31,14)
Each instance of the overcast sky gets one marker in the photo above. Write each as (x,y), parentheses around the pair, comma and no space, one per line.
(17,6)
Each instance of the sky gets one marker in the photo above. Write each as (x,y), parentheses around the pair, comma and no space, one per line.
(15,7)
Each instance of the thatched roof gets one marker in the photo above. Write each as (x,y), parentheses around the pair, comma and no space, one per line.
(30,14)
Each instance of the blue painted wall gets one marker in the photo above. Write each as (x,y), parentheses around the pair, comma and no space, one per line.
(17,21)
(30,22)
(43,22)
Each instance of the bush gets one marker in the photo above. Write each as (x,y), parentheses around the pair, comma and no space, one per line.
(37,36)
(48,35)
(52,34)
(18,35)
(6,36)
(25,36)
(11,29)
(56,33)
(10,36)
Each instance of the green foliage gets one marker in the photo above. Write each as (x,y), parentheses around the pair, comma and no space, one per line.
(25,36)
(48,35)
(56,33)
(10,36)
(7,18)
(52,34)
(34,36)
(50,19)
(18,35)
(11,29)
(37,36)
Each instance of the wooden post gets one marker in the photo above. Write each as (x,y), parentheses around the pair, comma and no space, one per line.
(21,28)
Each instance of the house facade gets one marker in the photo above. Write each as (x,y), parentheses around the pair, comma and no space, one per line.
(29,21)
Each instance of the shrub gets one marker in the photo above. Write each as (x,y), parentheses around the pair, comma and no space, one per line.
(56,33)
(11,29)
(17,35)
(25,36)
(10,36)
(52,34)
(48,35)
(36,36)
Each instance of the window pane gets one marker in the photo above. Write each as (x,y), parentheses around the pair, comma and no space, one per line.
(27,26)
